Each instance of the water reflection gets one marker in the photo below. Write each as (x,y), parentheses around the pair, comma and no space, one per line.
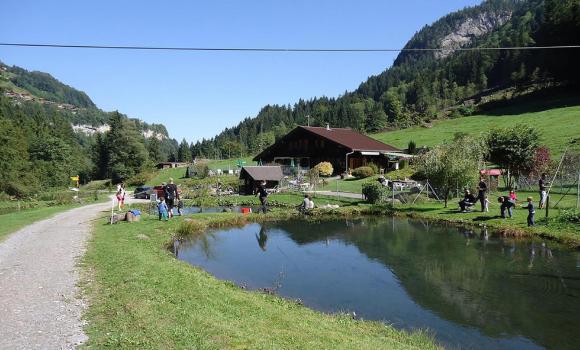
(262,238)
(472,289)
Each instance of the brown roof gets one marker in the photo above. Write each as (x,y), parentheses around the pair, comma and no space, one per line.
(351,139)
(264,173)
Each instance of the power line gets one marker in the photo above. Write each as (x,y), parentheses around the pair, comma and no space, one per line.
(266,49)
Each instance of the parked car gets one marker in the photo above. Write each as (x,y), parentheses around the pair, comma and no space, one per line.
(143,192)
(159,190)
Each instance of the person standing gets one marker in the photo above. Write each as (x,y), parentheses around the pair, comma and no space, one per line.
(481,193)
(513,196)
(120,195)
(543,187)
(263,195)
(171,194)
(531,211)
(163,209)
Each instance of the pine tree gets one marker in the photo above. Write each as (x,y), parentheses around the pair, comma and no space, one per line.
(184,153)
(125,149)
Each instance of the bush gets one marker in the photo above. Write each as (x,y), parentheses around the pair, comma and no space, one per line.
(362,172)
(17,190)
(324,168)
(400,174)
(374,192)
(569,216)
(198,170)
(374,167)
(140,179)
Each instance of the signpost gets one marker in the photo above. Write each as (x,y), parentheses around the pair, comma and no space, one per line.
(76,180)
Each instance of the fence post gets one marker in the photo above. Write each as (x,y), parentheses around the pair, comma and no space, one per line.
(578,192)
(112,209)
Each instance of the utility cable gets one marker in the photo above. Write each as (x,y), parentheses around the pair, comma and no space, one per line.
(266,49)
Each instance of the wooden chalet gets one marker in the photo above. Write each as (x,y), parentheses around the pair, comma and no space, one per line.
(252,176)
(169,165)
(344,148)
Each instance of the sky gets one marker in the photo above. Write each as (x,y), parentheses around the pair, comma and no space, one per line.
(197,94)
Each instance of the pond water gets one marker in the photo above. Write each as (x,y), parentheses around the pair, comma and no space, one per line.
(471,290)
(219,209)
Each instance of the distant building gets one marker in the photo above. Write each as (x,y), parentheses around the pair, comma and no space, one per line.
(492,176)
(169,165)
(344,148)
(252,176)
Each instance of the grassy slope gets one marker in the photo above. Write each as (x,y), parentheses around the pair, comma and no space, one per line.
(179,173)
(557,126)
(163,176)
(14,221)
(231,163)
(142,297)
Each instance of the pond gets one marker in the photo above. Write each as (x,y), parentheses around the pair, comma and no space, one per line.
(471,290)
(218,209)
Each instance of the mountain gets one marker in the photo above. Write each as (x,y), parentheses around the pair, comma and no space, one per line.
(50,131)
(41,88)
(425,85)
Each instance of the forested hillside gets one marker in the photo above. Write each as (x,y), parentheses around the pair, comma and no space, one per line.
(43,89)
(39,149)
(427,85)
(50,131)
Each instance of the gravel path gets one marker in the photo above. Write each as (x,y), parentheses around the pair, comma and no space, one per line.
(39,304)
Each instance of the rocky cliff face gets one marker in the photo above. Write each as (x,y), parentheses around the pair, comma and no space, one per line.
(469,29)
(92,130)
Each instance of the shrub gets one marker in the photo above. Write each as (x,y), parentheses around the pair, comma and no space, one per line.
(198,170)
(412,147)
(374,167)
(374,192)
(362,172)
(400,174)
(17,190)
(140,179)
(324,168)
(569,216)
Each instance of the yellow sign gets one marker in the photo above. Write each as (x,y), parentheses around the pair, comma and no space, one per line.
(74,178)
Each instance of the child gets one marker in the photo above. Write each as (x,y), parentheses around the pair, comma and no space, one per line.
(531,211)
(486,203)
(163,209)
(121,195)
(179,207)
(513,196)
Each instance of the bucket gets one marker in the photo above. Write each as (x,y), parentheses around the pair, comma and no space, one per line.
(246,210)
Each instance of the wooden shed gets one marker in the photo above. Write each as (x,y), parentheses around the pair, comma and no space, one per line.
(252,176)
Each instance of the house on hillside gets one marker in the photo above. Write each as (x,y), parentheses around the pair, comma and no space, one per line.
(252,176)
(169,165)
(346,149)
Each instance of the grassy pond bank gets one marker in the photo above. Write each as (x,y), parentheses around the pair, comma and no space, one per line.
(164,302)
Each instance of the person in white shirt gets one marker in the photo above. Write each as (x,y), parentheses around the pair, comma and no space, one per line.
(310,203)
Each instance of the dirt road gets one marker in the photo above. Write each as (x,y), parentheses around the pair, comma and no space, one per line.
(40,306)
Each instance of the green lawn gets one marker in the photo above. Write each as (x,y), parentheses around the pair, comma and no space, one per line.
(163,175)
(14,221)
(558,126)
(178,174)
(141,297)
(517,225)
(347,185)
(226,164)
